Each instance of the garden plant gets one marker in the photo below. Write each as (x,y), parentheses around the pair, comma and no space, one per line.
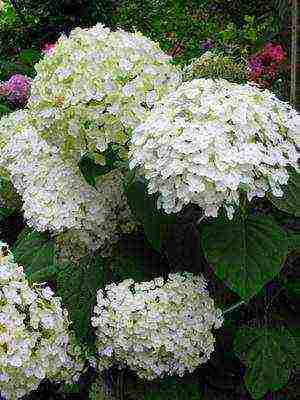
(149,202)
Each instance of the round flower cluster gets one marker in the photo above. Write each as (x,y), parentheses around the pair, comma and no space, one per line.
(211,139)
(107,217)
(51,190)
(156,328)
(55,195)
(16,89)
(35,342)
(97,84)
(213,64)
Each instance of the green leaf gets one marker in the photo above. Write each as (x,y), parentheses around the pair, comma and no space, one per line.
(90,169)
(77,286)
(29,56)
(35,252)
(144,208)
(5,212)
(246,254)
(290,202)
(268,354)
(4,109)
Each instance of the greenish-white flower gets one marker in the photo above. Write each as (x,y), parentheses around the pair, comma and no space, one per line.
(97,85)
(156,328)
(35,339)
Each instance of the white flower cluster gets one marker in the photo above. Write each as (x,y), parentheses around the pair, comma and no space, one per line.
(107,216)
(35,342)
(55,195)
(209,139)
(94,88)
(156,328)
(97,84)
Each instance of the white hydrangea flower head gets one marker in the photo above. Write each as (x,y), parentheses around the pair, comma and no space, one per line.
(107,217)
(35,340)
(156,328)
(99,83)
(209,139)
(52,190)
(55,195)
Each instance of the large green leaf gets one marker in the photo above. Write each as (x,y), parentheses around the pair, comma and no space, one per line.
(290,202)
(144,207)
(35,252)
(268,354)
(246,254)
(29,57)
(77,286)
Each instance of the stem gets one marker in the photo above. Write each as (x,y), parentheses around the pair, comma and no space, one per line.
(228,310)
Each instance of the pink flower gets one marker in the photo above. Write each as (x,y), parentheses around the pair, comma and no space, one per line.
(48,48)
(16,89)
(274,51)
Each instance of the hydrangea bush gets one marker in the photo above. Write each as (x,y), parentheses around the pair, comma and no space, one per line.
(201,145)
(35,341)
(211,139)
(156,328)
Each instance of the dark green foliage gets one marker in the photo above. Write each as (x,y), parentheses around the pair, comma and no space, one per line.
(35,252)
(90,169)
(268,354)
(246,254)
(77,286)
(172,389)
(144,207)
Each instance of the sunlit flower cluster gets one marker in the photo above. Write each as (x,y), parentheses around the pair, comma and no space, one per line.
(211,139)
(35,342)
(97,84)
(156,328)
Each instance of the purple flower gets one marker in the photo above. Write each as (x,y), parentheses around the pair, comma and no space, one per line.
(16,89)
(206,44)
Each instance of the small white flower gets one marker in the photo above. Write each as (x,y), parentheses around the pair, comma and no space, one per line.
(47,293)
